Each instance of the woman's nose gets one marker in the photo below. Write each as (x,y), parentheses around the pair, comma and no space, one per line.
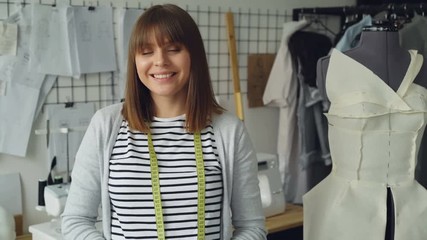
(160,59)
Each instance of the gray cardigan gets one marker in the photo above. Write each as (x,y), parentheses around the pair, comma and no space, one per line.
(242,214)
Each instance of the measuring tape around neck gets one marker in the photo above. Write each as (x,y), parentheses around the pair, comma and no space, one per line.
(201,188)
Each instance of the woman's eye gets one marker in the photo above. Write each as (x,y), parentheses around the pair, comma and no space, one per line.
(146,51)
(174,49)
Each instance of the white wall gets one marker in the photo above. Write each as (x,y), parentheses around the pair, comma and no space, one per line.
(261,122)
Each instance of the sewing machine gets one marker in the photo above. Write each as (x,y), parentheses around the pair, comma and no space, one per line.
(55,197)
(272,196)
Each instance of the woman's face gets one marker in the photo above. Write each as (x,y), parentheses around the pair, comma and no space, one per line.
(164,70)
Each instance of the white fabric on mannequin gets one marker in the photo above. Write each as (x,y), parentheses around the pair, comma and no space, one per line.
(374,136)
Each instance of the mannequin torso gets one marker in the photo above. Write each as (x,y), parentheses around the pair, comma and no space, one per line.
(380,52)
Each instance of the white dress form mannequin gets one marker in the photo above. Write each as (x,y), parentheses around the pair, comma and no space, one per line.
(380,52)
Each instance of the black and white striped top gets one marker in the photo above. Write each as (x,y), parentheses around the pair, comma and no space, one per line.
(129,182)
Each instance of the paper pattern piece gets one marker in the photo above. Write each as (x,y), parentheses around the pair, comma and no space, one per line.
(19,104)
(8,38)
(10,193)
(3,88)
(17,111)
(51,45)
(95,39)
(126,18)
(47,85)
(76,119)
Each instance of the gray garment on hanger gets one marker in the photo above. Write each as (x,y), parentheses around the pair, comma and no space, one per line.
(413,35)
(314,156)
(312,125)
(313,150)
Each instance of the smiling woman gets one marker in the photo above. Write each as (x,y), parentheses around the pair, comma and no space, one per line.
(167,38)
(169,162)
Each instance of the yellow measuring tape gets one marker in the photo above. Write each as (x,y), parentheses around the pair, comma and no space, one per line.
(201,188)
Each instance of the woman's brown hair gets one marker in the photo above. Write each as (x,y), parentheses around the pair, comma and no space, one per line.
(169,22)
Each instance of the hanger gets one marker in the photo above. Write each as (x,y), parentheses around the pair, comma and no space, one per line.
(317,21)
(384,25)
(350,19)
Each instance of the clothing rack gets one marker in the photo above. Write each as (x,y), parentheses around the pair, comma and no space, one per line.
(342,12)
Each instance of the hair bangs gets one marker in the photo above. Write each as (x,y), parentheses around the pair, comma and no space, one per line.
(163,29)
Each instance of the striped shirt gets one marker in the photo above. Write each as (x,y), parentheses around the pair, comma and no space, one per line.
(129,183)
